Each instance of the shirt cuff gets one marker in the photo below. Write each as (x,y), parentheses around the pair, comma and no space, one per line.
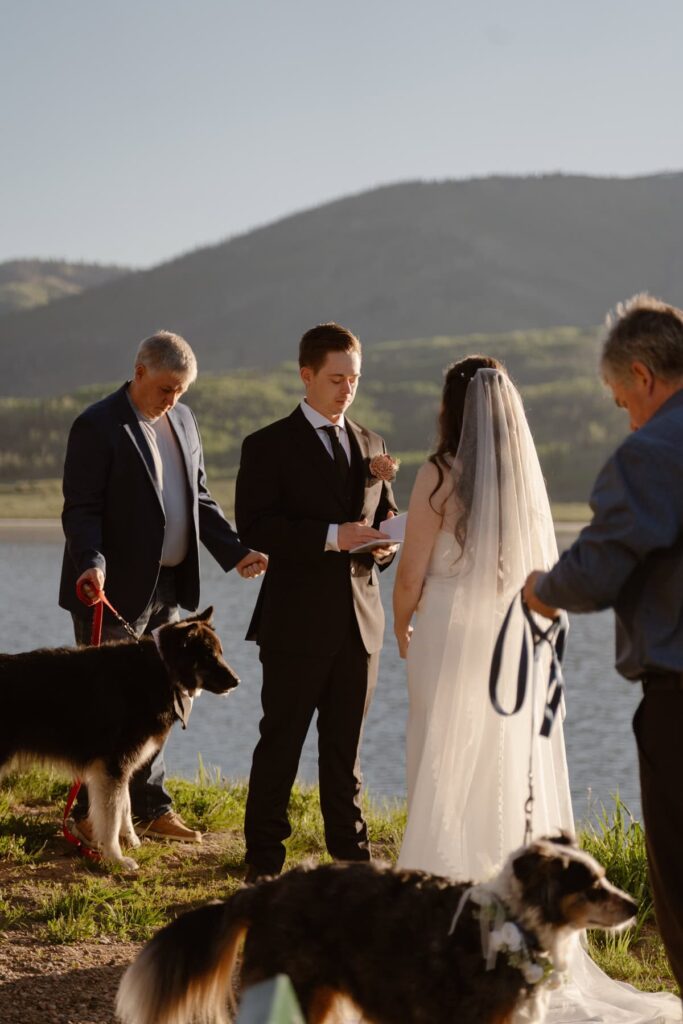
(331,544)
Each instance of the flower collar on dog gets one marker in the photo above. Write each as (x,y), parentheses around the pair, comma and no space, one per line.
(500,933)
(182,701)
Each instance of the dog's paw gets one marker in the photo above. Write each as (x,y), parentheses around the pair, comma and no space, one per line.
(128,864)
(131,839)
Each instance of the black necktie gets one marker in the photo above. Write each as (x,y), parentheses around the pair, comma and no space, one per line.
(338,453)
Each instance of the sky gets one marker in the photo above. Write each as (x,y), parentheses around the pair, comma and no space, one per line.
(134,131)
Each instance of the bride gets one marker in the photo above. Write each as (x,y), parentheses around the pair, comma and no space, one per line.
(478,522)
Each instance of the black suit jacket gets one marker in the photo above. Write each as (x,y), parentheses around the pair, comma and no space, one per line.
(113,515)
(288,492)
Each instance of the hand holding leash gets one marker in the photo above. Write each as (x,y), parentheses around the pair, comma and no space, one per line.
(532,601)
(89,589)
(90,586)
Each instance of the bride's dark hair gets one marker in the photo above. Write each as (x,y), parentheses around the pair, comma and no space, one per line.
(456,381)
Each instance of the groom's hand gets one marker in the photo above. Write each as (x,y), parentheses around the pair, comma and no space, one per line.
(533,602)
(352,535)
(252,565)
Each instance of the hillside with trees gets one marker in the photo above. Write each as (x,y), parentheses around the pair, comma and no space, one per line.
(26,284)
(574,422)
(420,259)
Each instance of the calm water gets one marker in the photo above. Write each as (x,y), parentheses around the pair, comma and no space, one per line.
(600,705)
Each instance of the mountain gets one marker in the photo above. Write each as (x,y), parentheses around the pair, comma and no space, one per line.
(412,260)
(25,284)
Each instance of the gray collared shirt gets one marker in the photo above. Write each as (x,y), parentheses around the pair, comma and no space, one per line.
(171,477)
(630,556)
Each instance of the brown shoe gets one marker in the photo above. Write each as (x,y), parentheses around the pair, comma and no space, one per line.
(168,826)
(82,829)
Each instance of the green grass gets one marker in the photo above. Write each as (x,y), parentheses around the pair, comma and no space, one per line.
(617,840)
(61,899)
(31,499)
(571,512)
(42,499)
(96,907)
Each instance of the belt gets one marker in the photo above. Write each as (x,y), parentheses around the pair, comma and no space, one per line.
(662,681)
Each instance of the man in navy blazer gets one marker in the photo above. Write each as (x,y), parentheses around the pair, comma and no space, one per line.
(136,505)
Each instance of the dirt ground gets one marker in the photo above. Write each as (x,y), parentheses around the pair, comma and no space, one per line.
(49,984)
(74,983)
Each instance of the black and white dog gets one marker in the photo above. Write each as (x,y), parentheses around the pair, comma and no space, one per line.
(102,712)
(405,946)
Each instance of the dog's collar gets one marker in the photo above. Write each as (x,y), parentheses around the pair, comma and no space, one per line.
(182,704)
(502,933)
(182,701)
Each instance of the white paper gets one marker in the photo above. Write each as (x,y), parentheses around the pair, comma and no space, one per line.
(395,527)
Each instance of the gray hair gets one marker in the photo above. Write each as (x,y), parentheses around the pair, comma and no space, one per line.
(167,351)
(647,330)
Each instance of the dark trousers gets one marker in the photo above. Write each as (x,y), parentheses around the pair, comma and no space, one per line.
(658,726)
(148,796)
(340,687)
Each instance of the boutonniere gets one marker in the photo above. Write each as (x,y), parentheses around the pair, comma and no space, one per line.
(384,466)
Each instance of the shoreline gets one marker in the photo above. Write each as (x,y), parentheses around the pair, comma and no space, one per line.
(44,527)
(28,530)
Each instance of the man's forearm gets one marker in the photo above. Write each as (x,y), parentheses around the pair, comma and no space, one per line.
(574,585)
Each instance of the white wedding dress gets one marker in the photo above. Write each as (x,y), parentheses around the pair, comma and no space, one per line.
(467,765)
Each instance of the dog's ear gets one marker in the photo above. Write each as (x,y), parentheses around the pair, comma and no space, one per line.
(564,838)
(539,859)
(528,864)
(205,616)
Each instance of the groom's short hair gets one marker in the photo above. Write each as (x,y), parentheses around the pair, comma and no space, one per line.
(324,338)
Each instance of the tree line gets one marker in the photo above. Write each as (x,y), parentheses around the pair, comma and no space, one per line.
(574,423)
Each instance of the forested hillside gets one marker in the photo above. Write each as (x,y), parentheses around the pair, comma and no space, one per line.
(419,259)
(26,284)
(574,422)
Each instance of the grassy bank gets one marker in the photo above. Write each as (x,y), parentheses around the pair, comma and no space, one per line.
(55,898)
(42,499)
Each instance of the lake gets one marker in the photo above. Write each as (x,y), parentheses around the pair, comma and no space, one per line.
(600,745)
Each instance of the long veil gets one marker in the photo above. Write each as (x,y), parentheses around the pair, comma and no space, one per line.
(466,799)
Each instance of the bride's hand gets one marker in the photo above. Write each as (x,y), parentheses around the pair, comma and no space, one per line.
(403,640)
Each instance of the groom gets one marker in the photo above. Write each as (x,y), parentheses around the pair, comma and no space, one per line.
(306,497)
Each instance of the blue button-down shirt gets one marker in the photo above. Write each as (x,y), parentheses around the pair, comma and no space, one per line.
(630,556)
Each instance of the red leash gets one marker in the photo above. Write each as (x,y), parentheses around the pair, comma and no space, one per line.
(96,598)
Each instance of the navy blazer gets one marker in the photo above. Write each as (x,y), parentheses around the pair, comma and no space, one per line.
(630,556)
(113,514)
(287,494)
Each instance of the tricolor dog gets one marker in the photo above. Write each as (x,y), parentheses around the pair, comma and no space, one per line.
(406,947)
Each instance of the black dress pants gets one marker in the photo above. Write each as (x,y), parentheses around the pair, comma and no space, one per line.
(339,687)
(658,726)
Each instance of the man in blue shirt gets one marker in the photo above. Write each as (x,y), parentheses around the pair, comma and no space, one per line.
(630,558)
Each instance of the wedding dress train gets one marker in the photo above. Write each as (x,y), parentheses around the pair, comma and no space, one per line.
(465,826)
(468,766)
